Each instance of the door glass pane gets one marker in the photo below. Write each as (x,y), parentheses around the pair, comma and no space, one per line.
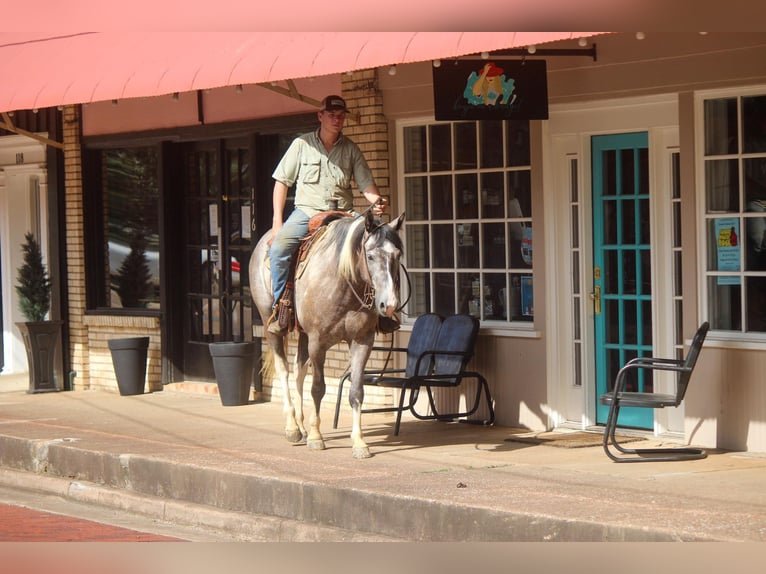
(647,323)
(722,186)
(643,206)
(631,322)
(611,273)
(441,197)
(465,145)
(609,172)
(494,245)
(612,308)
(629,272)
(414,149)
(627,172)
(441,147)
(610,222)
(646,272)
(721,134)
(443,239)
(628,221)
(643,171)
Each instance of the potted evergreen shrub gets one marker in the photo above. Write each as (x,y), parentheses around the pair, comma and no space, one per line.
(41,337)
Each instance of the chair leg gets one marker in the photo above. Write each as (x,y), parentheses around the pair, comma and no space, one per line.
(401,408)
(663,454)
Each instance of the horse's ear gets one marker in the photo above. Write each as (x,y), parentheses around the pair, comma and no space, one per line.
(398,222)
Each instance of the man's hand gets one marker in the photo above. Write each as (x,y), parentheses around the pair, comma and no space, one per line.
(274,230)
(379,206)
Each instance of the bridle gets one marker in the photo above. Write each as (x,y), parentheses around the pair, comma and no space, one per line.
(367,299)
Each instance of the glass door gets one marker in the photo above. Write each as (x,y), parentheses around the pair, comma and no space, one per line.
(622,266)
(218,221)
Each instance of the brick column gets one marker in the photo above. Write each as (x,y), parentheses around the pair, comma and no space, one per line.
(75,254)
(360,89)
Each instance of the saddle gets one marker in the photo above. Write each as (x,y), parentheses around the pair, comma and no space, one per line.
(284,312)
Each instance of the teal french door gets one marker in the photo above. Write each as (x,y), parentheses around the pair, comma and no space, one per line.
(622,280)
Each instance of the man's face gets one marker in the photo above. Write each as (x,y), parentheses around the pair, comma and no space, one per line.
(332,120)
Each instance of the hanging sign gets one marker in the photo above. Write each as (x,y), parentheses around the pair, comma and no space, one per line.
(487,90)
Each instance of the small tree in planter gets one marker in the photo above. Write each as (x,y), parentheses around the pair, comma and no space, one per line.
(133,276)
(41,337)
(34,285)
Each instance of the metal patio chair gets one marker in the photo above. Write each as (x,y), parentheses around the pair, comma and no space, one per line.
(618,398)
(438,363)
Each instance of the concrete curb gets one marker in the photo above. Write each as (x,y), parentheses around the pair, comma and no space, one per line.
(277,509)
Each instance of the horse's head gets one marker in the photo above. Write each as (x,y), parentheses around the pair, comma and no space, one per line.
(383,250)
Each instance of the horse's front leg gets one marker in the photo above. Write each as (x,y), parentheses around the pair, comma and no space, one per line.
(359,355)
(301,368)
(292,427)
(315,440)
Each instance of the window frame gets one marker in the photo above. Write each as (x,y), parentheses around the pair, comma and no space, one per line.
(495,326)
(741,339)
(93,186)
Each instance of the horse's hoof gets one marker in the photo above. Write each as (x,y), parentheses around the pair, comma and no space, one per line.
(294,435)
(316,444)
(361,452)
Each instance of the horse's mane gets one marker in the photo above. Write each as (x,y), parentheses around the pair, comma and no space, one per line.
(341,241)
(349,246)
(345,235)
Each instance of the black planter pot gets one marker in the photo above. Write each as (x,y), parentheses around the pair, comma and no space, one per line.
(41,340)
(129,359)
(233,366)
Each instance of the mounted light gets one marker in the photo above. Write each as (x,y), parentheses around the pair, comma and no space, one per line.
(582,42)
(392,70)
(531,49)
(437,63)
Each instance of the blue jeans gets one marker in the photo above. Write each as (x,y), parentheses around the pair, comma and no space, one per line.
(283,248)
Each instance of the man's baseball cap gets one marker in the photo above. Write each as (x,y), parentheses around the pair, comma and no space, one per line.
(334,103)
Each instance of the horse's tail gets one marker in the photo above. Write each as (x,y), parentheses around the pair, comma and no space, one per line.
(267,365)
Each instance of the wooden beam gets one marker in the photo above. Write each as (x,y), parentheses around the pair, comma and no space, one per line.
(7,124)
(293,93)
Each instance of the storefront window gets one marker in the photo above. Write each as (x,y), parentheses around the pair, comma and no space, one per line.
(128,212)
(467,191)
(735,206)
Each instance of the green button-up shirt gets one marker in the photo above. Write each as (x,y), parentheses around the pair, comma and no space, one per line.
(319,175)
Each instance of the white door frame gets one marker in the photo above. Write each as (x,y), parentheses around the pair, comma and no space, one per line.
(567,137)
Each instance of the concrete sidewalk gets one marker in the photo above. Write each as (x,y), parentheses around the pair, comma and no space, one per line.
(188,459)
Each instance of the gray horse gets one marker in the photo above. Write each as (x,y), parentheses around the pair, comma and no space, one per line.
(350,278)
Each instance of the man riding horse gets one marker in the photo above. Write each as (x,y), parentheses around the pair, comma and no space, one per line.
(320,164)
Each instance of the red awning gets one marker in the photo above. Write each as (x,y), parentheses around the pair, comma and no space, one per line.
(43,70)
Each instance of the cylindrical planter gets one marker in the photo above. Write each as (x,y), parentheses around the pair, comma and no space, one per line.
(129,359)
(233,366)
